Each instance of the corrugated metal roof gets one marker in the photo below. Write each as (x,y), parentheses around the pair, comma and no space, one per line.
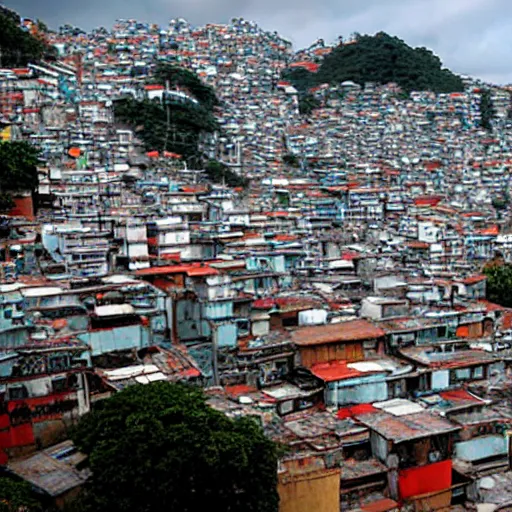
(406,428)
(355,330)
(399,407)
(53,476)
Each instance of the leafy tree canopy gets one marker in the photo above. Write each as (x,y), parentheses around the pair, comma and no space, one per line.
(499,283)
(6,202)
(18,47)
(218,172)
(16,496)
(487,110)
(308,103)
(177,76)
(380,59)
(178,128)
(291,160)
(161,447)
(18,166)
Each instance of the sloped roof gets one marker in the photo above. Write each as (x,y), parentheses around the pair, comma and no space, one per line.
(48,473)
(405,428)
(356,330)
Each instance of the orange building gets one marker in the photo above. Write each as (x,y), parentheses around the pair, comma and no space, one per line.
(23,205)
(305,485)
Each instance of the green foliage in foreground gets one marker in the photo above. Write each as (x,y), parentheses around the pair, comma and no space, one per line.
(16,496)
(161,447)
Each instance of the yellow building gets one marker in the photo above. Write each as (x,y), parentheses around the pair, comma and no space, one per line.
(305,485)
(5,134)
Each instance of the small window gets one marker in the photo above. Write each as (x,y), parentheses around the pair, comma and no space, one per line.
(59,363)
(18,393)
(463,374)
(478,372)
(286,407)
(7,313)
(59,384)
(424,382)
(290,322)
(243,325)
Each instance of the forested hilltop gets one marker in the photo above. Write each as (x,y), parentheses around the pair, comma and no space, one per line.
(380,59)
(18,47)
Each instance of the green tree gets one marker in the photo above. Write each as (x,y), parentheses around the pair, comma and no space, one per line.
(487,110)
(380,59)
(42,26)
(499,283)
(177,76)
(308,103)
(291,160)
(16,496)
(17,46)
(177,126)
(18,166)
(6,202)
(502,203)
(301,78)
(220,173)
(161,447)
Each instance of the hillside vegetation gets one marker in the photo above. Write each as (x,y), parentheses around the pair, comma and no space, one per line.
(178,128)
(380,59)
(17,46)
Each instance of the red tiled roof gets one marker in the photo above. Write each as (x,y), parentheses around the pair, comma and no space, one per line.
(417,245)
(194,269)
(285,238)
(202,271)
(490,306)
(474,279)
(239,390)
(507,321)
(491,230)
(427,200)
(336,370)
(460,395)
(267,303)
(277,214)
(350,255)
(310,66)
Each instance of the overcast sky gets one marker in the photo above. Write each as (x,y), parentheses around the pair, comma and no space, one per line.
(470,36)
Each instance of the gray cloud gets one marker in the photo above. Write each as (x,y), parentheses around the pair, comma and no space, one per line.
(470,36)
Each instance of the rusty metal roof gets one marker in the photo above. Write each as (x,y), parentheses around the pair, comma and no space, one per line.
(405,428)
(355,330)
(48,471)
